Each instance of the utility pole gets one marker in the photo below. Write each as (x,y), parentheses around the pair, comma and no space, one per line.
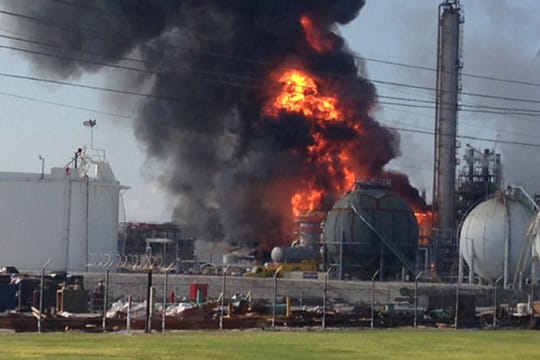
(91,123)
(42,159)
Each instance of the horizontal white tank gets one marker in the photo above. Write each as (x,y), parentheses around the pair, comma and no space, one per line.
(64,215)
(492,236)
(292,254)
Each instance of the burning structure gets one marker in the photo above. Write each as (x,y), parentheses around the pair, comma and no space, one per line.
(259,110)
(371,231)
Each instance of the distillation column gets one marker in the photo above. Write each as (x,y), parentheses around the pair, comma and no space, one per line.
(447,88)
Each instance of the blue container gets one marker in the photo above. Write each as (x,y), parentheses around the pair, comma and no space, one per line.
(8,297)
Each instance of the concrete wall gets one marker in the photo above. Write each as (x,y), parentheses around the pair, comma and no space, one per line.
(123,285)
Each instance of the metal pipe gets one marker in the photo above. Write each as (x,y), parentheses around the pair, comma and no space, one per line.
(68,223)
(533,279)
(507,240)
(42,167)
(325,291)
(416,297)
(41,293)
(472,264)
(495,302)
(222,298)
(148,320)
(275,299)
(425,259)
(324,302)
(87,217)
(163,310)
(373,297)
(340,276)
(105,304)
(128,317)
(457,306)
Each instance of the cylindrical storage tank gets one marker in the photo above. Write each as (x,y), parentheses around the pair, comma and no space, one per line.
(354,227)
(293,254)
(492,235)
(310,230)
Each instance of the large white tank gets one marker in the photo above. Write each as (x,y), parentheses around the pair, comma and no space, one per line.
(493,233)
(65,215)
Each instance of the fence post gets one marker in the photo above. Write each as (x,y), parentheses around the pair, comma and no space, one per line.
(373,297)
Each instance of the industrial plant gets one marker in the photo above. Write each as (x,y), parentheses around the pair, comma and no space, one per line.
(304,200)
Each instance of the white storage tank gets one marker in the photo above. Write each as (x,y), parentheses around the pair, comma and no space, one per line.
(493,233)
(66,215)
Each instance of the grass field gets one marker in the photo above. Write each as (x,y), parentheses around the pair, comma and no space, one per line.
(282,345)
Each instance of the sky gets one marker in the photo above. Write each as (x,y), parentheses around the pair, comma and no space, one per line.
(501,39)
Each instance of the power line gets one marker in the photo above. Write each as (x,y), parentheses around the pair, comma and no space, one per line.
(469,108)
(55,46)
(464,123)
(461,105)
(461,92)
(425,68)
(59,25)
(509,142)
(65,105)
(100,88)
(172,98)
(79,5)
(66,27)
(520,113)
(147,71)
(99,111)
(426,132)
(528,112)
(229,83)
(365,58)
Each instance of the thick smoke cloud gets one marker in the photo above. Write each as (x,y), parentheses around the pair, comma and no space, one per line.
(208,62)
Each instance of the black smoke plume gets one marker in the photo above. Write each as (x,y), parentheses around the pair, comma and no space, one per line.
(232,169)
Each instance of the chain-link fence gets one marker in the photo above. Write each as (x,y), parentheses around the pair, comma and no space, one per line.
(311,302)
(179,301)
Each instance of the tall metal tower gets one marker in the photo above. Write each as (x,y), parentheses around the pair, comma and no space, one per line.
(449,64)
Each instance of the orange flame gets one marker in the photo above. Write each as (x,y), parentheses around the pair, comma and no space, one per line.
(423,217)
(306,201)
(424,220)
(316,39)
(300,94)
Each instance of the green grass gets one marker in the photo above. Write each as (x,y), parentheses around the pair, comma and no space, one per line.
(283,345)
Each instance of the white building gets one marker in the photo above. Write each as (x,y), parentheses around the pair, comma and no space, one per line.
(68,215)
